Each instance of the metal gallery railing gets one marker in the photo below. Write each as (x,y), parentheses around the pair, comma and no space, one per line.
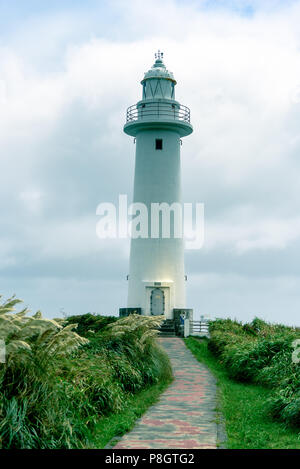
(158,110)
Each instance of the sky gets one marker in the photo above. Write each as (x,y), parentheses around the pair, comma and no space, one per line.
(68,71)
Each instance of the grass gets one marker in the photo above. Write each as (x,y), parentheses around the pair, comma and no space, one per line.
(117,424)
(243,405)
(261,353)
(57,387)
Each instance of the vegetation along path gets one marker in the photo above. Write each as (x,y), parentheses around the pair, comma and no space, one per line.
(185,415)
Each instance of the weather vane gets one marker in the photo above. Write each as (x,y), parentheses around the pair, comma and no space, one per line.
(159,55)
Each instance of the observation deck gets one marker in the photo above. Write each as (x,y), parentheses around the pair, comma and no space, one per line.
(158,114)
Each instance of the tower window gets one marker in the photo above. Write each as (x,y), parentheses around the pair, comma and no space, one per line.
(158,144)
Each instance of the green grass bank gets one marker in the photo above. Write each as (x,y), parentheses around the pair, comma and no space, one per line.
(245,408)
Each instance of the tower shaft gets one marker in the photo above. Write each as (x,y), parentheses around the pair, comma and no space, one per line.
(157,262)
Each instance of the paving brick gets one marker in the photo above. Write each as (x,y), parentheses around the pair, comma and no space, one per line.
(184,416)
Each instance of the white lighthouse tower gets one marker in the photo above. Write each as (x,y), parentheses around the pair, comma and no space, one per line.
(158,122)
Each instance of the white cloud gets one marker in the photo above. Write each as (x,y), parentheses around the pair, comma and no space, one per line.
(242,298)
(246,235)
(32,200)
(61,142)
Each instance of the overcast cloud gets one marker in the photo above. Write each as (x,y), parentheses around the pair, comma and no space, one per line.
(68,71)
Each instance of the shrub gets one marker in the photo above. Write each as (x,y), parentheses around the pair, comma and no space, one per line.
(262,353)
(56,384)
(284,405)
(88,324)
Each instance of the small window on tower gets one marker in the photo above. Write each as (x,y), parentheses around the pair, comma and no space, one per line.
(158,144)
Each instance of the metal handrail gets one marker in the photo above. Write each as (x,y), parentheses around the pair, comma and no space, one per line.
(200,322)
(199,326)
(157,109)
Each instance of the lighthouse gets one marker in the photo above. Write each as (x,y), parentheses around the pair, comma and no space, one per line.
(156,281)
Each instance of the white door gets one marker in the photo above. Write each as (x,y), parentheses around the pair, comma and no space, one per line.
(157,302)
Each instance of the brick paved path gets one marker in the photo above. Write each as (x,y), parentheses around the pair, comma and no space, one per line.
(184,417)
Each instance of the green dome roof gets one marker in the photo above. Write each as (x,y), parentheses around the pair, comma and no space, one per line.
(158,69)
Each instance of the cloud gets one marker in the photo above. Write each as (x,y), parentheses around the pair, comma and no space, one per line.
(235,297)
(64,87)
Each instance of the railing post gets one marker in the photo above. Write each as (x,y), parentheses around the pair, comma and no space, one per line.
(186,327)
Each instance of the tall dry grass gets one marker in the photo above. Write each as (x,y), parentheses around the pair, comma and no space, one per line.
(56,384)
